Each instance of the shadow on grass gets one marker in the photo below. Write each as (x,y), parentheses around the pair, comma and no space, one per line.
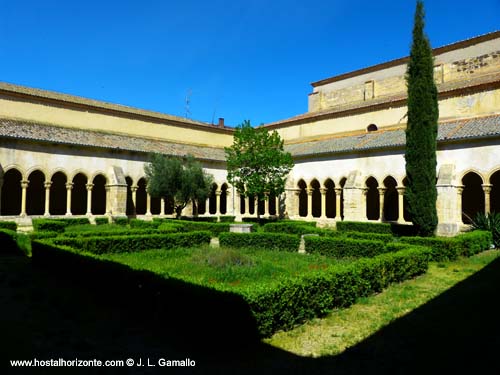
(45,316)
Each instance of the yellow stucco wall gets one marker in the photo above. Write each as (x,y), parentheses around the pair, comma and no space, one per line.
(81,119)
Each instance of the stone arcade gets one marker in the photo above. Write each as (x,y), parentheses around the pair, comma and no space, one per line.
(62,155)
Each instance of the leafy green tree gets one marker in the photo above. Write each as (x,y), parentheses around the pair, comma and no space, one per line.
(421,130)
(257,165)
(180,180)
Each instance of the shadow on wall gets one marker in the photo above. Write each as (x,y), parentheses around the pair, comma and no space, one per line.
(457,332)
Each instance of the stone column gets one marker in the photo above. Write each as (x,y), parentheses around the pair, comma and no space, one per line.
(256,206)
(89,198)
(47,185)
(24,187)
(401,194)
(277,206)
(323,202)
(309,203)
(460,190)
(487,201)
(338,203)
(148,204)
(162,208)
(133,189)
(381,193)
(217,202)
(237,205)
(69,187)
(247,205)
(207,207)
(108,200)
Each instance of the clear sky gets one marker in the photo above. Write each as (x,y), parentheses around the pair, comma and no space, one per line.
(252,59)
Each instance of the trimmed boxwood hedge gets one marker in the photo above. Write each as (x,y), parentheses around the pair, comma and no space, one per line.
(293,228)
(358,226)
(10,225)
(227,218)
(450,248)
(101,220)
(314,295)
(120,220)
(58,225)
(121,244)
(341,247)
(138,223)
(265,241)
(261,310)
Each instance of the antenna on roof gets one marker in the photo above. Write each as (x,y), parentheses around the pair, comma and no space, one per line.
(187,104)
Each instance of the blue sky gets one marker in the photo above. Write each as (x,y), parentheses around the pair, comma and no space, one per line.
(239,59)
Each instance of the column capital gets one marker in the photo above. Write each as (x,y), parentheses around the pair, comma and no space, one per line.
(401,189)
(47,184)
(69,185)
(338,190)
(323,190)
(218,193)
(309,191)
(487,188)
(382,190)
(89,186)
(364,190)
(460,188)
(134,188)
(24,184)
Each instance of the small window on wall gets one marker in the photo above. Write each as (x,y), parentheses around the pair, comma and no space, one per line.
(371,128)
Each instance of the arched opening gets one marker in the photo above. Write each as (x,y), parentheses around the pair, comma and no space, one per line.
(35,195)
(79,195)
(262,207)
(155,206)
(371,128)
(251,205)
(223,199)
(316,199)
(342,184)
(243,208)
(472,197)
(169,206)
(212,201)
(406,211)
(331,209)
(130,210)
(58,194)
(98,206)
(495,192)
(11,193)
(390,199)
(372,199)
(272,205)
(141,197)
(302,198)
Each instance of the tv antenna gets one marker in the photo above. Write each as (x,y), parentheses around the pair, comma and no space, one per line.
(187,107)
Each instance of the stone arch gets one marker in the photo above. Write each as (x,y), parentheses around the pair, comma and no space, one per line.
(390,199)
(58,193)
(141,197)
(79,194)
(223,199)
(330,199)
(35,194)
(316,198)
(472,196)
(494,180)
(371,128)
(273,209)
(212,200)
(372,199)
(243,207)
(98,204)
(302,198)
(11,192)
(130,207)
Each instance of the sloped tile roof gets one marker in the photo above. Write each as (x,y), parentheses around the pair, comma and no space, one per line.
(473,128)
(55,134)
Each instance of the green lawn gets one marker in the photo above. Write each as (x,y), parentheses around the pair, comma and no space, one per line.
(225,268)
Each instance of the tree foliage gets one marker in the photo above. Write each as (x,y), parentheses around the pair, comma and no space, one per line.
(180,180)
(421,131)
(257,163)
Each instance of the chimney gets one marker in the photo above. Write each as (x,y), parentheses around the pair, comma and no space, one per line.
(221,122)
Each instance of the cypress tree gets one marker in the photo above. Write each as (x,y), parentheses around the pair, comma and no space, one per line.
(421,130)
